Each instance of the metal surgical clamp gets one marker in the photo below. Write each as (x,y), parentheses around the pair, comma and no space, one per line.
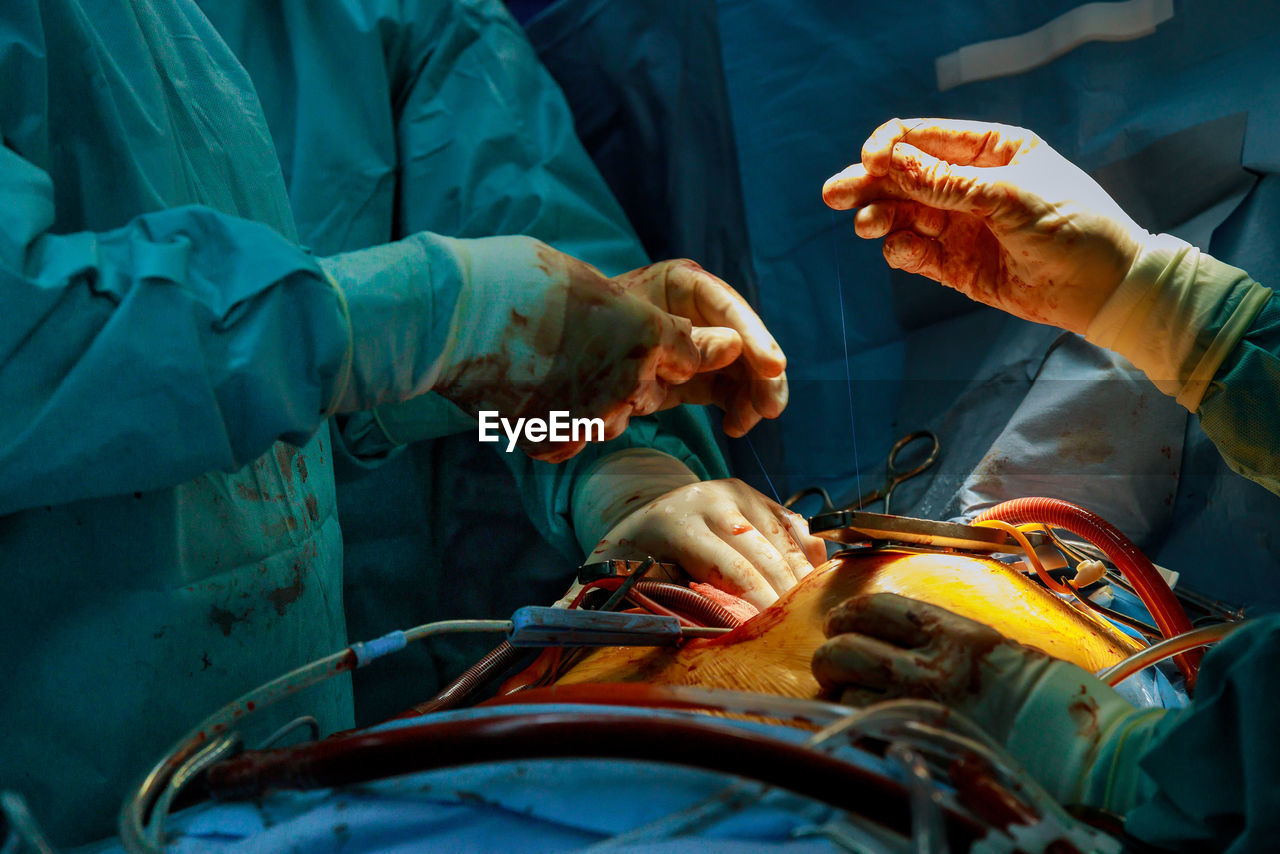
(893,477)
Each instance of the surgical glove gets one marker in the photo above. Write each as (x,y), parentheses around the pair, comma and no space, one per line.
(997,214)
(641,502)
(1079,738)
(508,324)
(750,387)
(993,212)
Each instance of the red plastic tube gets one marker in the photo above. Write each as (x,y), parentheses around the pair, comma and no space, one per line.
(456,692)
(674,598)
(1120,550)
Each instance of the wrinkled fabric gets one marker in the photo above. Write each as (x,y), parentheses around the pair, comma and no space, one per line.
(161,552)
(448,124)
(1090,429)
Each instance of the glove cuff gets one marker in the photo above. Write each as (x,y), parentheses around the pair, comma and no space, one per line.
(504,325)
(342,382)
(399,302)
(618,485)
(1163,315)
(1067,722)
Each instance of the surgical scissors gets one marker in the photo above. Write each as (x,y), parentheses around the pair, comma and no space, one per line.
(893,477)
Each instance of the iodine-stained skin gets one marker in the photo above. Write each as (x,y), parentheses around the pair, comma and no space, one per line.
(773,652)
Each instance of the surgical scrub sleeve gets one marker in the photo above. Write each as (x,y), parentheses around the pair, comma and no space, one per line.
(1240,411)
(160,551)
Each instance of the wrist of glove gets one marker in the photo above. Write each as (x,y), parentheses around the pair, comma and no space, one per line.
(1176,315)
(399,300)
(1078,737)
(619,485)
(536,332)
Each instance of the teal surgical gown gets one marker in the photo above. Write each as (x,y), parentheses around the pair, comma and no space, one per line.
(160,550)
(168,530)
(392,118)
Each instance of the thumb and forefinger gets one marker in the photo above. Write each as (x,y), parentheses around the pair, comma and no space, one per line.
(942,162)
(964,143)
(915,175)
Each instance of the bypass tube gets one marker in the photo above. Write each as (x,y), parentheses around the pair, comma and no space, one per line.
(686,602)
(365,757)
(1117,673)
(1128,558)
(456,692)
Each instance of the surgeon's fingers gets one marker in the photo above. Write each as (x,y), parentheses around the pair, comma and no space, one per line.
(768,518)
(942,184)
(710,559)
(556,453)
(814,548)
(740,415)
(863,661)
(966,256)
(745,401)
(718,346)
(904,250)
(615,422)
(708,300)
(680,357)
(965,143)
(888,616)
(769,396)
(879,218)
(853,187)
(701,390)
(649,397)
(862,697)
(757,548)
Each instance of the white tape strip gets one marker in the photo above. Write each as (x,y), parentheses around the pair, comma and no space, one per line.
(1123,21)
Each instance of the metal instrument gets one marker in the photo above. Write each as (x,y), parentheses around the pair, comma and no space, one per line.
(894,475)
(624,568)
(852,527)
(534,626)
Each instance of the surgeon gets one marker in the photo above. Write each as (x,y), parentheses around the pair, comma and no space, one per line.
(168,535)
(462,132)
(997,214)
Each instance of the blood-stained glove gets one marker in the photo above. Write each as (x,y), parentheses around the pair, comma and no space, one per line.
(510,325)
(640,502)
(1079,738)
(994,212)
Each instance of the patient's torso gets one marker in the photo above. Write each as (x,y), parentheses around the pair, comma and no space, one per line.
(771,652)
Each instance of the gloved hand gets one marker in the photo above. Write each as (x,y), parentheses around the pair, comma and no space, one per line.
(997,214)
(993,212)
(511,325)
(1079,738)
(722,532)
